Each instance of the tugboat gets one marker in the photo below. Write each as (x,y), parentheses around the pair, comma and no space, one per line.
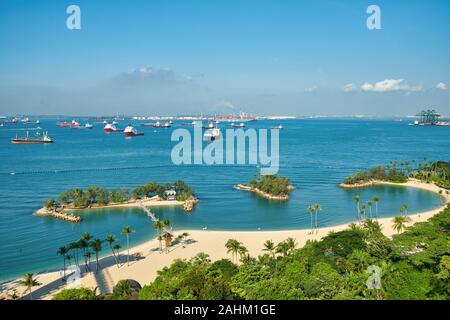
(38,139)
(110,127)
(240,125)
(130,131)
(212,134)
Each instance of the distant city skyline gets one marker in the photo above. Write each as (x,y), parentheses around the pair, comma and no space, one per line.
(298,58)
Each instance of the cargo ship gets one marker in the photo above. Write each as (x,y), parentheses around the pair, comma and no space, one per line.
(38,139)
(72,123)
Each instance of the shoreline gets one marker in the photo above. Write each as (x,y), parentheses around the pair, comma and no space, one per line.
(66,213)
(211,242)
(263,194)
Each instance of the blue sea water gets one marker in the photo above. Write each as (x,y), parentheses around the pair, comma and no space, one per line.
(316,154)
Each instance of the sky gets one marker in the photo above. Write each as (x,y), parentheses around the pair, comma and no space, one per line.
(265,57)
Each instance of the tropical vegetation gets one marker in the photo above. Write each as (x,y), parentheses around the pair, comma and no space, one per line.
(97,196)
(414,264)
(429,171)
(272,184)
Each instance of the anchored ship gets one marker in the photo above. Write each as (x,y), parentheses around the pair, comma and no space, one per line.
(111,127)
(130,131)
(38,139)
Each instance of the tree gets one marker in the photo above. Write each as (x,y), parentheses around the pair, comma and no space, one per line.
(243,253)
(76,294)
(317,208)
(369,204)
(84,244)
(29,281)
(269,246)
(111,239)
(310,211)
(75,246)
(159,226)
(117,248)
(50,204)
(376,199)
(63,251)
(96,245)
(363,212)
(400,223)
(127,230)
(358,211)
(233,246)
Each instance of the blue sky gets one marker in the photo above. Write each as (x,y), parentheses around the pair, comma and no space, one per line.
(191,56)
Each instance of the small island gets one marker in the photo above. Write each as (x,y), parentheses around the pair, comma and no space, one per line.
(150,194)
(271,187)
(437,172)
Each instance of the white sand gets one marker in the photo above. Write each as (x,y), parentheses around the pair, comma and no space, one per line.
(210,242)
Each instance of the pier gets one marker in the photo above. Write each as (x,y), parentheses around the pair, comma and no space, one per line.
(152,216)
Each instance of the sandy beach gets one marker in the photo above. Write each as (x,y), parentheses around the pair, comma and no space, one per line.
(145,269)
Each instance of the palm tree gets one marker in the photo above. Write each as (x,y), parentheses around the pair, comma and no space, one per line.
(291,244)
(63,251)
(184,237)
(110,238)
(270,247)
(317,208)
(88,257)
(310,211)
(84,244)
(159,226)
(167,224)
(400,223)
(283,248)
(233,246)
(126,231)
(363,212)
(243,252)
(29,281)
(75,246)
(117,248)
(358,211)
(376,199)
(369,204)
(96,245)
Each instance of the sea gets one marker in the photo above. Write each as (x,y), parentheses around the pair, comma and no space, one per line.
(316,154)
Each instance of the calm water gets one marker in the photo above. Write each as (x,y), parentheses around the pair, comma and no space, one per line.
(315,154)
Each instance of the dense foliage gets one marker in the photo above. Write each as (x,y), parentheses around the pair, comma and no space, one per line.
(413,265)
(76,294)
(94,195)
(272,184)
(428,171)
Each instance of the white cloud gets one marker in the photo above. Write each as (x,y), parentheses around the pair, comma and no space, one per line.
(349,87)
(311,89)
(441,86)
(390,85)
